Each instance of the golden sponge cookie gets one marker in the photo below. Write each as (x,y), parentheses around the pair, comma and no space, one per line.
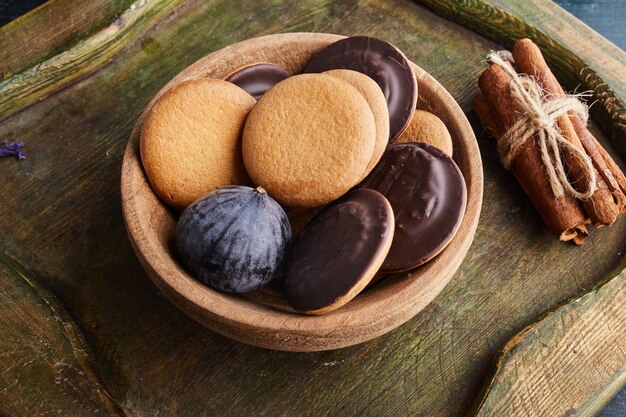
(427,128)
(309,139)
(191,140)
(376,99)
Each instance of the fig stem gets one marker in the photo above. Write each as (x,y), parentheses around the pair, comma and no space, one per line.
(261,190)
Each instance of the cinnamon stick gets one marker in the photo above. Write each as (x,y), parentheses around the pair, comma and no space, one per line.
(563,216)
(612,166)
(606,203)
(609,170)
(487,115)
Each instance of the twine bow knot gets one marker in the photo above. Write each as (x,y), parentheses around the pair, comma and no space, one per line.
(539,120)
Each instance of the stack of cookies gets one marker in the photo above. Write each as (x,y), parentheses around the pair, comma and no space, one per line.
(325,179)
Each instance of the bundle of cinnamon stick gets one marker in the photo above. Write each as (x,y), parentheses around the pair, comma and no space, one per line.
(499,110)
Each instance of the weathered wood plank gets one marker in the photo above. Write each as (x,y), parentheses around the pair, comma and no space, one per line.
(54,73)
(517,388)
(571,362)
(50,29)
(61,218)
(44,364)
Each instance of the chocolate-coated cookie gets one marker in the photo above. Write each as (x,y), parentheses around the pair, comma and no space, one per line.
(428,195)
(338,252)
(384,63)
(256,79)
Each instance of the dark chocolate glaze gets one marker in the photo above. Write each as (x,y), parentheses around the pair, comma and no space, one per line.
(335,249)
(256,79)
(428,195)
(382,62)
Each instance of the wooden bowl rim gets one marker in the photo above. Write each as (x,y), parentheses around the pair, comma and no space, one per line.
(369,315)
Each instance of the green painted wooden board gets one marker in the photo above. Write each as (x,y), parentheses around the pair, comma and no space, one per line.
(130,351)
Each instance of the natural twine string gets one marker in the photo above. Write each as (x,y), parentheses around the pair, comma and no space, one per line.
(539,120)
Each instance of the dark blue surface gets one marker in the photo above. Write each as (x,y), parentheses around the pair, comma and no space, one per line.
(10,9)
(617,406)
(608,17)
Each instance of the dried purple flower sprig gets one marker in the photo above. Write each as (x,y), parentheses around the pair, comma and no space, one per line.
(12,148)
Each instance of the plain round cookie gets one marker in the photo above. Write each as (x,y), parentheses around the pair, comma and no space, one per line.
(338,252)
(376,100)
(308,140)
(427,128)
(190,140)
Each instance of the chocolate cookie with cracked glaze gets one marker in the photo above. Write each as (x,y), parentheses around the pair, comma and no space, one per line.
(427,192)
(256,79)
(338,252)
(385,64)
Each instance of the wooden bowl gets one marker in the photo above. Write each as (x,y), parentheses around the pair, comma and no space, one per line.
(263,319)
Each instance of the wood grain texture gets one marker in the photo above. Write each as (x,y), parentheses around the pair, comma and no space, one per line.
(49,75)
(572,362)
(61,219)
(151,227)
(50,29)
(523,397)
(45,364)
